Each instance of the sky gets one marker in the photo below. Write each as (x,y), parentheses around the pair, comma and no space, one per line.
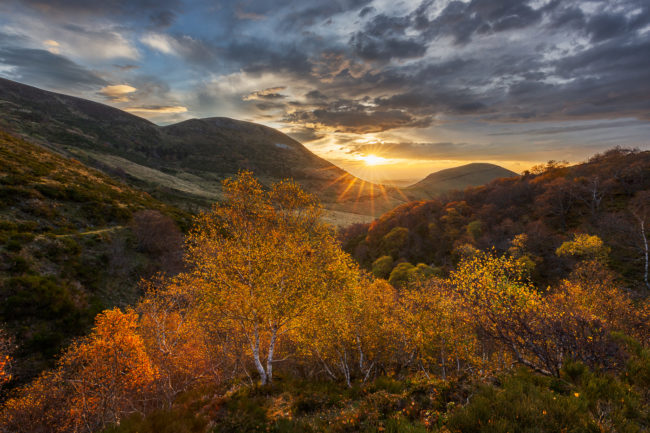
(389,90)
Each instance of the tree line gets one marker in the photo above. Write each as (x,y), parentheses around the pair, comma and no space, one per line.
(607,196)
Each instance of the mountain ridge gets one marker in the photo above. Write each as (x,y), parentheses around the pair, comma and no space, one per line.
(201,152)
(184,163)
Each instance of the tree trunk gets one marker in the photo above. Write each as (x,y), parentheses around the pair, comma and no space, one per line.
(269,360)
(256,356)
(645,252)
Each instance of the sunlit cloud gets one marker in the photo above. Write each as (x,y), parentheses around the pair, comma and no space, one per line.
(52,46)
(118,92)
(159,42)
(171,109)
(270,93)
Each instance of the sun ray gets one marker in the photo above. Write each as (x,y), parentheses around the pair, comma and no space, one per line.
(350,185)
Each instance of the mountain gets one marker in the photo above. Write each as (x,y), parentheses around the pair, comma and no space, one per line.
(533,213)
(73,241)
(185,162)
(457,178)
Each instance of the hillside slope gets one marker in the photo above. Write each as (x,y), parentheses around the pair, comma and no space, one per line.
(182,163)
(604,196)
(457,178)
(68,248)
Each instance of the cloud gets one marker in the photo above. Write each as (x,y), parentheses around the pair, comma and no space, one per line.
(303,135)
(45,69)
(352,117)
(387,48)
(332,69)
(117,92)
(52,46)
(159,42)
(267,94)
(191,49)
(156,110)
(158,11)
(464,21)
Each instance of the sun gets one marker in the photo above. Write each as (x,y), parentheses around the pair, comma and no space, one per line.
(371,160)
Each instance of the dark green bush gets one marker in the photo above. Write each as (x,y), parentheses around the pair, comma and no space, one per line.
(582,401)
(161,421)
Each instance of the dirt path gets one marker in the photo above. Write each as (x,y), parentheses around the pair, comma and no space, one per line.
(92,232)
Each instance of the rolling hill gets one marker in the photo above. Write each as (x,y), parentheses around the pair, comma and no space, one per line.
(457,178)
(185,162)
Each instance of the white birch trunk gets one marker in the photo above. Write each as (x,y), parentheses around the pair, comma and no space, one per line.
(256,356)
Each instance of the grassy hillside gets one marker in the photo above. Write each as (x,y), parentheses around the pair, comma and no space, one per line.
(546,206)
(456,179)
(67,248)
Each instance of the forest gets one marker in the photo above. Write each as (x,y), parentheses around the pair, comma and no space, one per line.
(523,313)
(529,215)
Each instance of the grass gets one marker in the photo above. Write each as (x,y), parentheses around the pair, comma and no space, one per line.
(66,249)
(580,400)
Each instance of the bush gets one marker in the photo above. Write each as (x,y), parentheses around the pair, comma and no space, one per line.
(382,266)
(582,401)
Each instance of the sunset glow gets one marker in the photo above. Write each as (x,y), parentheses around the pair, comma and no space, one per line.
(371,160)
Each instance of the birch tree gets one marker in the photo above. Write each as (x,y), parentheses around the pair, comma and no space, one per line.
(263,258)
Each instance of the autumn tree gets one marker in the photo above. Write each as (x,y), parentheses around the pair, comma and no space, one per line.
(263,259)
(439,331)
(585,247)
(109,372)
(98,380)
(176,343)
(355,333)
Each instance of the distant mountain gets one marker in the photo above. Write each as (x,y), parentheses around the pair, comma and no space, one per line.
(184,162)
(457,178)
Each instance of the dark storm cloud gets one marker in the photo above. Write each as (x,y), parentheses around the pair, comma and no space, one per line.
(160,12)
(195,50)
(428,101)
(315,95)
(316,12)
(163,18)
(365,11)
(304,135)
(606,26)
(385,49)
(48,70)
(353,117)
(256,55)
(463,21)
(607,80)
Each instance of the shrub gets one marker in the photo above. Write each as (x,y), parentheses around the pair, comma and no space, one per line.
(382,266)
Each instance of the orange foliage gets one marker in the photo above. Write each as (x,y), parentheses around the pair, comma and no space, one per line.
(266,278)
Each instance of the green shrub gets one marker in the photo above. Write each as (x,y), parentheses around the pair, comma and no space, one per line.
(161,421)
(400,274)
(382,266)
(582,401)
